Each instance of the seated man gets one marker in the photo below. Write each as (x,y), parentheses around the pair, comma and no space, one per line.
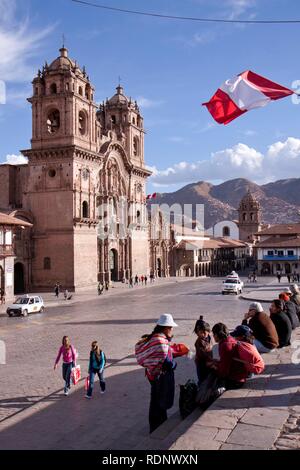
(264,331)
(282,323)
(290,308)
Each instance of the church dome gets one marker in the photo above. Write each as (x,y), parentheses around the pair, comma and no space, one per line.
(119,98)
(63,61)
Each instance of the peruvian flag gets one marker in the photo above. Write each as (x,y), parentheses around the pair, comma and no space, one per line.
(238,95)
(151,196)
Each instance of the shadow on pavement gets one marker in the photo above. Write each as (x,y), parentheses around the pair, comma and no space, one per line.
(119,322)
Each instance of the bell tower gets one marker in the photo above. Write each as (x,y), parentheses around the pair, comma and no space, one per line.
(63,167)
(249,217)
(63,108)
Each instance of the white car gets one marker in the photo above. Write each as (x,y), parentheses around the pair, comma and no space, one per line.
(26,304)
(232,285)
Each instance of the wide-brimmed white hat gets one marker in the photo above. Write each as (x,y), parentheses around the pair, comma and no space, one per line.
(166,319)
(287,290)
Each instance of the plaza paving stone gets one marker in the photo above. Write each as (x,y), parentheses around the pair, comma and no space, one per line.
(34,414)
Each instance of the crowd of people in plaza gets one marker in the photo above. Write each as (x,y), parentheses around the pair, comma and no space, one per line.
(230,358)
(291,277)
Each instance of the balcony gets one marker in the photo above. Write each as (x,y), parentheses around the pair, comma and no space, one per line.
(204,258)
(280,258)
(6,250)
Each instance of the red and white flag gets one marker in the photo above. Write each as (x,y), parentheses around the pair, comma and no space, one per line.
(151,196)
(240,94)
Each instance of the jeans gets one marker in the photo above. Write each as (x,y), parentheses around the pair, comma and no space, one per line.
(93,373)
(66,373)
(260,347)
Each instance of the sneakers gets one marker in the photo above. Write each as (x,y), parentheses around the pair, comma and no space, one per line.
(220,391)
(102,391)
(66,392)
(87,396)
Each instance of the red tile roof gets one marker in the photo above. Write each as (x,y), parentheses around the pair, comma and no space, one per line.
(281,229)
(6,219)
(275,242)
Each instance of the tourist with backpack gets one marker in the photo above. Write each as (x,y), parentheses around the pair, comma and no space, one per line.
(203,348)
(96,367)
(155,353)
(68,353)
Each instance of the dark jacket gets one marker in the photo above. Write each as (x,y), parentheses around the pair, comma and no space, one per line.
(283,327)
(203,354)
(291,311)
(263,330)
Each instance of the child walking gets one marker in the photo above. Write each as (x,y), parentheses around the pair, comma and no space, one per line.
(96,367)
(203,347)
(69,360)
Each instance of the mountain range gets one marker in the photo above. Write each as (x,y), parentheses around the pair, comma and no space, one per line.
(280,200)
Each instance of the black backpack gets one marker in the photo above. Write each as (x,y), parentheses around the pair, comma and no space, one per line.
(187,398)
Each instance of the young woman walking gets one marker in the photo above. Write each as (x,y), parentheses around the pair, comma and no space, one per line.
(96,367)
(67,351)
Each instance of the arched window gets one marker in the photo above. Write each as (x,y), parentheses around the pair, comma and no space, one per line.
(47,263)
(133,120)
(53,89)
(113,119)
(226,231)
(244,217)
(53,121)
(251,216)
(136,146)
(85,210)
(82,122)
(80,91)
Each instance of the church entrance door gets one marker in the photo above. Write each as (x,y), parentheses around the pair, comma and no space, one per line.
(19,278)
(113,264)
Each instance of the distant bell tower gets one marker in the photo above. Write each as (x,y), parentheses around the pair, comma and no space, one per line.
(249,217)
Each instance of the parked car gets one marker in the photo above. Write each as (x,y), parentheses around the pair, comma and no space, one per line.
(26,304)
(232,285)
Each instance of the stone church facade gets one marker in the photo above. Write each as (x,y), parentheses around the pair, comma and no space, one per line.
(85,162)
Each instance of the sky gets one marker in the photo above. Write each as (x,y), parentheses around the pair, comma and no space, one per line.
(170,67)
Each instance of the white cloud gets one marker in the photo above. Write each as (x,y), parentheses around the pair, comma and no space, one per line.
(147,103)
(15,159)
(19,43)
(281,160)
(17,97)
(239,7)
(249,132)
(175,139)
